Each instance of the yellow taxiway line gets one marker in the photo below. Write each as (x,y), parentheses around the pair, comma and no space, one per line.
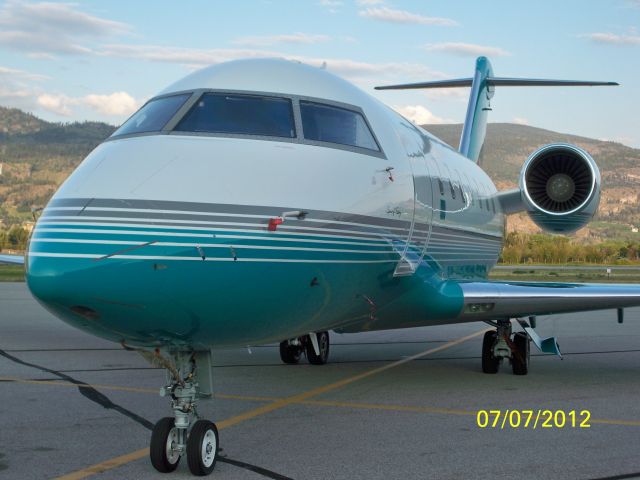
(270,407)
(274,403)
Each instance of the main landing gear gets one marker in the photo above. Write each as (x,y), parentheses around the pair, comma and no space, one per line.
(502,344)
(185,434)
(315,346)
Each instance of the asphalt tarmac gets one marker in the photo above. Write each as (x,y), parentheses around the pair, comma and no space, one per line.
(391,405)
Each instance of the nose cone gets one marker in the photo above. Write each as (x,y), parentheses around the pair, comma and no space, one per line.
(131,300)
(71,290)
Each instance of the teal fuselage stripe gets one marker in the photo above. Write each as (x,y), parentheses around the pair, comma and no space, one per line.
(133,277)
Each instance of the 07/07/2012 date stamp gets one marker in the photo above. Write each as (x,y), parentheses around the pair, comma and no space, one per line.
(533,419)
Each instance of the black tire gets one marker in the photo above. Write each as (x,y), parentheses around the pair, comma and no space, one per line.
(161,459)
(520,360)
(290,354)
(202,448)
(490,364)
(323,344)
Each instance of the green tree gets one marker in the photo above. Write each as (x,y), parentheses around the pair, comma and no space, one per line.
(17,238)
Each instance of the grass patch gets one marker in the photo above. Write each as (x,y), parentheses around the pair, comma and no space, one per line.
(567,274)
(11,273)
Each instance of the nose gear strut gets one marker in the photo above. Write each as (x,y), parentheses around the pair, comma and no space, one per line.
(189,377)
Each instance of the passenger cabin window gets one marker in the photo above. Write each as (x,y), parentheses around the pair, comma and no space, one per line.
(153,116)
(326,123)
(241,115)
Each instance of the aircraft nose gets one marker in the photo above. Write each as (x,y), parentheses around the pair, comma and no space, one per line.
(87,294)
(64,289)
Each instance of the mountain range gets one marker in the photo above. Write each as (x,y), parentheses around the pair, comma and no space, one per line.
(36,156)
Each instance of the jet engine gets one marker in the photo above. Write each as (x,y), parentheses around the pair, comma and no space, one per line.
(560,187)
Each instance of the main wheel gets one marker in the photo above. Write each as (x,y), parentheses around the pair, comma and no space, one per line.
(202,448)
(490,363)
(161,451)
(323,344)
(520,360)
(290,353)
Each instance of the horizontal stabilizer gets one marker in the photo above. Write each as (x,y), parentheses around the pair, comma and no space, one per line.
(498,81)
(541,82)
(453,83)
(483,85)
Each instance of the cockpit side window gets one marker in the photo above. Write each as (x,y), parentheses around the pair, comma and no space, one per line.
(240,114)
(326,123)
(153,116)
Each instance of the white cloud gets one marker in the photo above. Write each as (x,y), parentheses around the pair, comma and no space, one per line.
(613,39)
(294,38)
(387,14)
(41,56)
(17,97)
(196,58)
(184,56)
(117,104)
(520,121)
(332,6)
(18,88)
(46,28)
(58,104)
(466,49)
(12,74)
(364,3)
(420,115)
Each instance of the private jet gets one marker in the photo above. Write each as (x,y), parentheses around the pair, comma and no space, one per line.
(267,201)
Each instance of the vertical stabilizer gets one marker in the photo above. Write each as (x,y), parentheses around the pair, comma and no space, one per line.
(475,122)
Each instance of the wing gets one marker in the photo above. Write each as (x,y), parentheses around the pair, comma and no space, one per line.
(498,300)
(12,259)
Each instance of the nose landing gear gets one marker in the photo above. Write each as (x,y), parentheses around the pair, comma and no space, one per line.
(501,344)
(189,377)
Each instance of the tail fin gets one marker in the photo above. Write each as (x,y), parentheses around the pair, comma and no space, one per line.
(482,86)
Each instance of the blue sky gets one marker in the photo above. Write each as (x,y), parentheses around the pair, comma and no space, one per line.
(100,60)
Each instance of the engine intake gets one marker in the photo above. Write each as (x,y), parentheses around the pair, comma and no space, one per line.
(560,185)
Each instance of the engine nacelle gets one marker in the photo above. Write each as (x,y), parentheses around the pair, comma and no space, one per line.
(560,187)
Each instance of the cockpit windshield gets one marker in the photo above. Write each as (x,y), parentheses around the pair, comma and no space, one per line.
(241,115)
(255,115)
(326,123)
(153,116)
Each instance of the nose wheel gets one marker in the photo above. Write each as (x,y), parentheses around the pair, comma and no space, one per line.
(202,448)
(164,440)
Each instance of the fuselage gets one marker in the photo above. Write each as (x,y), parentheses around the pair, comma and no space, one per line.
(170,238)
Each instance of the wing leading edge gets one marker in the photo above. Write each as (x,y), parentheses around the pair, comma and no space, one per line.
(12,259)
(505,300)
